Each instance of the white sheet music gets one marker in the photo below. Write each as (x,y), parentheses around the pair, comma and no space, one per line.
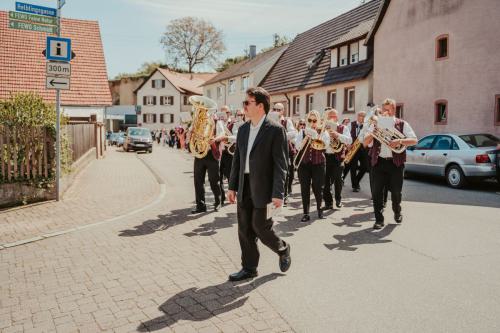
(386,122)
(272,211)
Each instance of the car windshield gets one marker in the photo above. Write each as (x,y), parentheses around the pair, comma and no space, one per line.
(480,140)
(138,132)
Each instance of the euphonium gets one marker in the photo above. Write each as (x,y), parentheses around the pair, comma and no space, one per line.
(335,143)
(202,130)
(230,146)
(386,135)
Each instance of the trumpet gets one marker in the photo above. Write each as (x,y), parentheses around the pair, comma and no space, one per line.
(316,144)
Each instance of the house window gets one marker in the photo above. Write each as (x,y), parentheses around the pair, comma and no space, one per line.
(399,110)
(219,92)
(166,100)
(334,58)
(158,83)
(149,118)
(232,87)
(343,55)
(332,99)
(209,93)
(354,52)
(349,99)
(497,110)
(363,50)
(296,105)
(442,47)
(441,117)
(166,118)
(309,102)
(244,83)
(149,100)
(186,100)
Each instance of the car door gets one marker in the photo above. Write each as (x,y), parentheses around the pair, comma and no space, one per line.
(438,156)
(416,155)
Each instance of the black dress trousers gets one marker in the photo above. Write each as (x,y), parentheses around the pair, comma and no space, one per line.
(201,166)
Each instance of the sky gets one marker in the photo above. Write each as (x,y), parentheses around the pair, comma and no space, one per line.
(131,29)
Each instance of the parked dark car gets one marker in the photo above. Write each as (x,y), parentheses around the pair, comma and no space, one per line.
(138,139)
(456,157)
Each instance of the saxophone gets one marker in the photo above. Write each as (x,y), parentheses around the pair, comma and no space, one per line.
(202,130)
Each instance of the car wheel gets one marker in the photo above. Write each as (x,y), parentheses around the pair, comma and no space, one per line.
(150,150)
(455,177)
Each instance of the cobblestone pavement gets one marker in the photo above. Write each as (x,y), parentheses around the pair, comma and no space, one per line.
(106,188)
(139,273)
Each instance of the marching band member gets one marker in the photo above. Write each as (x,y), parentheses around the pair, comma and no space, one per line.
(359,163)
(291,134)
(226,158)
(335,161)
(388,166)
(312,166)
(210,164)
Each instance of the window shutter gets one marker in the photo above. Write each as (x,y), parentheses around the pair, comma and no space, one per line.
(171,118)
(144,118)
(154,117)
(153,83)
(162,100)
(161,118)
(163,83)
(144,100)
(154,100)
(171,100)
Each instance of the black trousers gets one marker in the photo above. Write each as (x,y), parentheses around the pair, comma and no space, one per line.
(386,175)
(201,166)
(224,171)
(252,225)
(333,176)
(314,174)
(289,176)
(370,176)
(358,167)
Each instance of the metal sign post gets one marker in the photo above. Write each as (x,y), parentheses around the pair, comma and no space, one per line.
(58,112)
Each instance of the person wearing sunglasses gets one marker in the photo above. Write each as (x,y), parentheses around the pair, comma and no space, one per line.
(257,180)
(226,160)
(312,167)
(335,161)
(291,134)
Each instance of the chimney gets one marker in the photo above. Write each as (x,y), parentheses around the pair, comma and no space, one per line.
(253,51)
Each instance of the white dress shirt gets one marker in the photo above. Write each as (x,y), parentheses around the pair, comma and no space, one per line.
(291,131)
(300,137)
(254,130)
(386,152)
(344,137)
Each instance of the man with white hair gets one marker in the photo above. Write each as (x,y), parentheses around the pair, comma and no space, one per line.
(359,163)
(291,134)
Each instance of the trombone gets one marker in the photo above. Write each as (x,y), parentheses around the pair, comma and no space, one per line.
(316,144)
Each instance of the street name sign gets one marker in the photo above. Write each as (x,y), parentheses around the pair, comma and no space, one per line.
(58,68)
(39,19)
(54,82)
(49,29)
(34,9)
(58,49)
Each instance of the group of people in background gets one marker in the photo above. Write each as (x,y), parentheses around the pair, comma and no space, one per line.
(174,138)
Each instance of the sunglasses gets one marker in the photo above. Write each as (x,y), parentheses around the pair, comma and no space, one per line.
(279,110)
(311,120)
(246,103)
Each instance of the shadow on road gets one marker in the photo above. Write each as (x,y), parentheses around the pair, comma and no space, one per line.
(355,220)
(352,240)
(209,229)
(163,222)
(201,304)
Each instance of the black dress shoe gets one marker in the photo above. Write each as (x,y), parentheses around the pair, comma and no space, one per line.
(398,218)
(305,218)
(216,207)
(243,274)
(320,214)
(285,202)
(385,204)
(285,259)
(198,210)
(356,189)
(378,225)
(327,207)
(339,204)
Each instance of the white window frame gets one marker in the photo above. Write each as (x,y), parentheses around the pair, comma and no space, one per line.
(310,103)
(344,61)
(245,80)
(231,86)
(209,93)
(296,105)
(330,94)
(219,92)
(349,108)
(363,50)
(354,47)
(150,100)
(166,118)
(166,98)
(334,58)
(158,83)
(149,118)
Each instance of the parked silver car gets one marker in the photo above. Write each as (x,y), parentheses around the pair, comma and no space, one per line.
(456,157)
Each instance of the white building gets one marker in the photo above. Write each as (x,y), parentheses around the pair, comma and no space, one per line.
(162,99)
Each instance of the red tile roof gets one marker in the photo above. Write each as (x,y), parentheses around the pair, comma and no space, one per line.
(186,82)
(22,64)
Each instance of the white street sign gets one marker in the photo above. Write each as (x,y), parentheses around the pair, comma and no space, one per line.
(54,82)
(58,68)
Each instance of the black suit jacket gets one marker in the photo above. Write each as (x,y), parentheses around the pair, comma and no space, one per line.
(268,163)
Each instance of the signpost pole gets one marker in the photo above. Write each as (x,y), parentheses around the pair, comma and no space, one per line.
(58,112)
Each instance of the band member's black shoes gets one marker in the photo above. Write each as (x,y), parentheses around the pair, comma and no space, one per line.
(320,214)
(339,204)
(285,202)
(378,225)
(398,218)
(305,218)
(243,275)
(327,207)
(356,189)
(217,207)
(198,210)
(285,259)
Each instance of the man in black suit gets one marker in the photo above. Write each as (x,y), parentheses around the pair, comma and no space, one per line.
(258,178)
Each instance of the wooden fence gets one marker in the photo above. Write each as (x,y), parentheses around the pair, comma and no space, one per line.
(82,138)
(25,154)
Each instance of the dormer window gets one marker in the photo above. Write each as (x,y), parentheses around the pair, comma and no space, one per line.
(343,56)
(334,58)
(354,52)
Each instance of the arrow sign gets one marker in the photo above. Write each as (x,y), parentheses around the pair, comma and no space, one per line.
(54,82)
(38,19)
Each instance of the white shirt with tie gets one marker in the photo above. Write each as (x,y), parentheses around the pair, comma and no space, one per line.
(254,130)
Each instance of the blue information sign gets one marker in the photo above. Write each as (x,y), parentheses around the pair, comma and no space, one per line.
(58,49)
(34,9)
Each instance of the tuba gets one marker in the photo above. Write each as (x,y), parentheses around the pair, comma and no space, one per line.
(202,129)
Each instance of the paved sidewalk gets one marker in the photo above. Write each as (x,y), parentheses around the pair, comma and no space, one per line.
(112,186)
